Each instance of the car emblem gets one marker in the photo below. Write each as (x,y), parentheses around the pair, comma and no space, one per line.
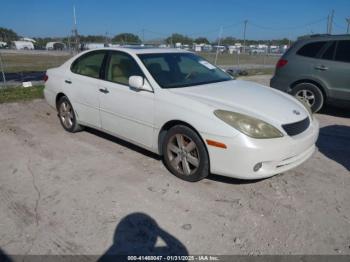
(296,112)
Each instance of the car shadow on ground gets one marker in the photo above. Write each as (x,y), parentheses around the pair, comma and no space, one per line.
(139,234)
(4,257)
(231,180)
(334,143)
(335,111)
(122,143)
(211,177)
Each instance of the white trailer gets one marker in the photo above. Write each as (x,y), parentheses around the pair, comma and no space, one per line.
(22,45)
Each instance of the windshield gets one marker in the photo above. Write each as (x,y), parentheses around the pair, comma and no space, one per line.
(172,70)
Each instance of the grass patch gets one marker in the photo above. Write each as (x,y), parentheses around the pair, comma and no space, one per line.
(14,94)
(31,62)
(260,71)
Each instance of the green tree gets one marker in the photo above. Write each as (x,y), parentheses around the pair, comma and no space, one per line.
(7,35)
(201,40)
(178,38)
(229,40)
(92,39)
(127,38)
(41,42)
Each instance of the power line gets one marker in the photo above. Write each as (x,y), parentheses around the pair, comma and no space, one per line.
(339,26)
(289,28)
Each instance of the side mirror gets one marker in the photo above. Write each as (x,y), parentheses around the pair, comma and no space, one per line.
(136,82)
(139,83)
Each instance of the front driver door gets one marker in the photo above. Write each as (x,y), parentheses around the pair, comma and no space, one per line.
(126,112)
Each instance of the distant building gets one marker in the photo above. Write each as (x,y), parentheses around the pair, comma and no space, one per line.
(3,44)
(202,47)
(198,47)
(89,46)
(236,48)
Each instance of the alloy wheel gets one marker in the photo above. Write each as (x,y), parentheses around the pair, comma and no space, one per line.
(307,96)
(183,154)
(66,114)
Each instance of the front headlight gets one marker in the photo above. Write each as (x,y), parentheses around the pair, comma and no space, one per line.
(248,125)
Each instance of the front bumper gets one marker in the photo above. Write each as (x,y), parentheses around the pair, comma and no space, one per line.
(277,155)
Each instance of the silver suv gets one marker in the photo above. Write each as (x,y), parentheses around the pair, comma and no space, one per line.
(316,69)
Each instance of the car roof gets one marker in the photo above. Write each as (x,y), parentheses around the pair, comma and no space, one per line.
(324,37)
(143,50)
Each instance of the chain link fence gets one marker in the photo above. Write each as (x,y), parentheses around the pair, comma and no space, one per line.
(19,66)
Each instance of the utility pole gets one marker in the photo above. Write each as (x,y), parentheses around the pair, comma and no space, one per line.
(143,36)
(75,30)
(244,34)
(330,26)
(106,40)
(2,71)
(348,21)
(327,32)
(217,48)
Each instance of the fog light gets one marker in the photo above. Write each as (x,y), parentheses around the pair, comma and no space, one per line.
(257,167)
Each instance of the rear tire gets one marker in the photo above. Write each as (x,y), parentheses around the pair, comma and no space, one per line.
(185,154)
(310,94)
(67,116)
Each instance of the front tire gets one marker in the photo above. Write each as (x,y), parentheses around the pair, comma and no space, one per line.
(185,154)
(310,94)
(67,116)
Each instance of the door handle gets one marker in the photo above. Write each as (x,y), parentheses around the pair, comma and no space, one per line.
(321,68)
(68,81)
(104,90)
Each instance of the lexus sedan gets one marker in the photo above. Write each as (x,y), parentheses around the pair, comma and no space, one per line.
(178,105)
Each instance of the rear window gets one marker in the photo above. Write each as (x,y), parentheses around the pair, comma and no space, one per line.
(89,64)
(311,49)
(343,51)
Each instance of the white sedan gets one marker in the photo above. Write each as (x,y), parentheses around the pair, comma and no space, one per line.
(178,105)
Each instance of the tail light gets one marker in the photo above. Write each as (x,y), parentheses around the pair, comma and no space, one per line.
(46,78)
(281,63)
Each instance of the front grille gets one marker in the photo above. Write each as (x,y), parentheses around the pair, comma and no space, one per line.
(296,128)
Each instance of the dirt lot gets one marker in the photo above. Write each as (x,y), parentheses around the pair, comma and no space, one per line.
(87,193)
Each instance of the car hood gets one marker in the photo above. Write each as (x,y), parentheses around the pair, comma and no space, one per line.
(248,98)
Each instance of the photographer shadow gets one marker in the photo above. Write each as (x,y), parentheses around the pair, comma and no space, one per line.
(138,234)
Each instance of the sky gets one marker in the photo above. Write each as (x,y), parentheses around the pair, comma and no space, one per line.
(267,19)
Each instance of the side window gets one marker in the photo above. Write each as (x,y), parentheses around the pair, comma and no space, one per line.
(343,51)
(89,64)
(329,53)
(121,66)
(311,49)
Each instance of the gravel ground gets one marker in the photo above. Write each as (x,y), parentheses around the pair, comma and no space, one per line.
(89,193)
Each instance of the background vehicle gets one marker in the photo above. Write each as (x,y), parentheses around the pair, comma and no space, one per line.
(316,69)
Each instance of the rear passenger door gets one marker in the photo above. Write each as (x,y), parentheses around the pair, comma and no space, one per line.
(333,68)
(82,85)
(308,58)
